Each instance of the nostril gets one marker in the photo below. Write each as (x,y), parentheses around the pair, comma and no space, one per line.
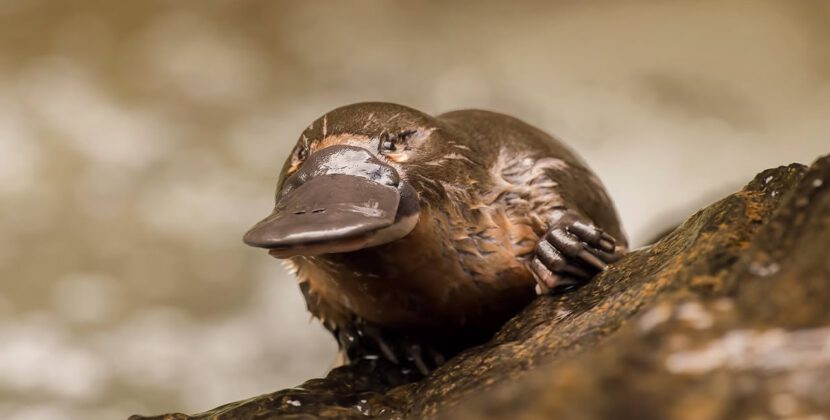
(318,210)
(299,212)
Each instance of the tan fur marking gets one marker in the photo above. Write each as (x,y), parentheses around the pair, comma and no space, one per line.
(347,139)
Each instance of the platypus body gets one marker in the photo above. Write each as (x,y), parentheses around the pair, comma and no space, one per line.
(415,236)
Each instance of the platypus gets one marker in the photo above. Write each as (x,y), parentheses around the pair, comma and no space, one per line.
(415,236)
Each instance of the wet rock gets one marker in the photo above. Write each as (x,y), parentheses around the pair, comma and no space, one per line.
(726,317)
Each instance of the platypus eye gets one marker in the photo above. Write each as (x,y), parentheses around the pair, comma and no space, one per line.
(302,152)
(395,142)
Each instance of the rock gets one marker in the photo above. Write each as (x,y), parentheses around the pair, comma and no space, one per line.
(726,317)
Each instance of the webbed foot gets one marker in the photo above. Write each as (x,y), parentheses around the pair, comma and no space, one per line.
(571,252)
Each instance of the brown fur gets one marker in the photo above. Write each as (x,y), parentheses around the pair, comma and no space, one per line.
(487,183)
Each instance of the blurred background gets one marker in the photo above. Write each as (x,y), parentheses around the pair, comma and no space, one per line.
(139,140)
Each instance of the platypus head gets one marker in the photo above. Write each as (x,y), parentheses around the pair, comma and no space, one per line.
(345,186)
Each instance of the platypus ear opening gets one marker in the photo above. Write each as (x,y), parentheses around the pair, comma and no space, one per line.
(392,143)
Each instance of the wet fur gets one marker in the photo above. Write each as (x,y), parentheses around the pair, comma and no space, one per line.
(487,183)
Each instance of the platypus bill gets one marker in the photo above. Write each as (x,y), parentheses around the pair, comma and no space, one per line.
(414,237)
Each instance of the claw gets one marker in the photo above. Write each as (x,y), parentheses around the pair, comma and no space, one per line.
(606,245)
(544,277)
(384,348)
(437,358)
(415,354)
(592,259)
(592,236)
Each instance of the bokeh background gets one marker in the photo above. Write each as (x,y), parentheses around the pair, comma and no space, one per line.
(140,139)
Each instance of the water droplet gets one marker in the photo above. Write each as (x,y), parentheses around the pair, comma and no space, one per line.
(764,270)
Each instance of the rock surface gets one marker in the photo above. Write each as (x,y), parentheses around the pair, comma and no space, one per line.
(726,317)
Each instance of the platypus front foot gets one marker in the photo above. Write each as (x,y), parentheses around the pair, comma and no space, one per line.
(571,252)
